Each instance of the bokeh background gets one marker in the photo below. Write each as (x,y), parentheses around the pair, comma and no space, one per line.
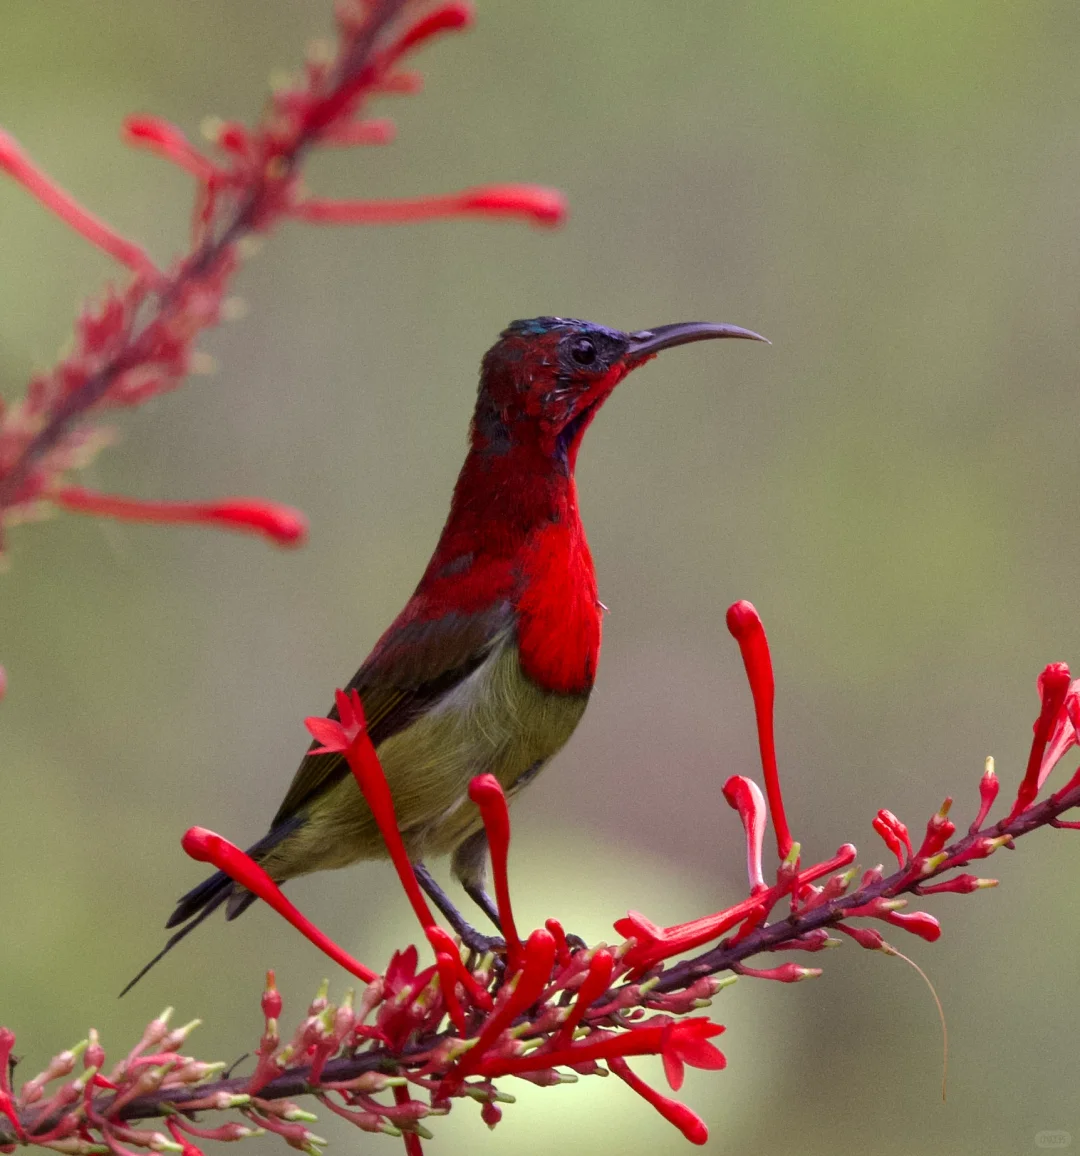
(888,191)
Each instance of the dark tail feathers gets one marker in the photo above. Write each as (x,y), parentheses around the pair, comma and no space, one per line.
(203,900)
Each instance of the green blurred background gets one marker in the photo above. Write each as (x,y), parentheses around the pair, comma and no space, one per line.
(887,191)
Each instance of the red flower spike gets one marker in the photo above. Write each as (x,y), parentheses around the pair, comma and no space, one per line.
(166,140)
(745,626)
(592,988)
(281,525)
(1053,685)
(689,1123)
(448,973)
(989,785)
(487,794)
(745,796)
(207,847)
(21,168)
(540,205)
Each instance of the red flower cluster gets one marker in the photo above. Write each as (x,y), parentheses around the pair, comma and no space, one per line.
(139,340)
(543,1011)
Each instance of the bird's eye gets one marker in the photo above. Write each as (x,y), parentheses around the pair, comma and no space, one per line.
(583,351)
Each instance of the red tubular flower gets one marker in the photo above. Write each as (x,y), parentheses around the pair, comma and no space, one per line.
(866,937)
(486,792)
(167,141)
(844,857)
(785,973)
(1053,685)
(744,623)
(282,525)
(442,943)
(689,1123)
(893,832)
(538,958)
(451,17)
(1064,735)
(541,206)
(959,884)
(21,168)
(745,796)
(562,948)
(207,847)
(592,988)
(655,944)
(448,973)
(350,736)
(939,830)
(920,923)
(989,785)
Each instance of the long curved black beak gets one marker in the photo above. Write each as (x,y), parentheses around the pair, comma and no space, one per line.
(646,342)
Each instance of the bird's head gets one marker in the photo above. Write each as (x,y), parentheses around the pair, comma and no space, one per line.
(543,381)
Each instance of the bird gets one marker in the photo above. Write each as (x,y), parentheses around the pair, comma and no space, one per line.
(489,666)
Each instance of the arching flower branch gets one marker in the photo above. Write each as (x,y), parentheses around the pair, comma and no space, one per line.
(544,1011)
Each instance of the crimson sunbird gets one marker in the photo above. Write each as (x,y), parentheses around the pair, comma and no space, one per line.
(489,666)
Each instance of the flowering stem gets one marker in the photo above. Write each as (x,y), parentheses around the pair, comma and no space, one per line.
(213,253)
(829,914)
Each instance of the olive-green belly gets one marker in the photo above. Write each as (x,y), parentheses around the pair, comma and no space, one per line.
(495,721)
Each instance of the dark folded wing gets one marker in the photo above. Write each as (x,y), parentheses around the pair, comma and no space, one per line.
(414,664)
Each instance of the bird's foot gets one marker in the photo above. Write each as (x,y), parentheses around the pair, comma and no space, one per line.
(480,944)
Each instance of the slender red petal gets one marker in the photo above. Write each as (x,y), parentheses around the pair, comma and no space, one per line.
(486,792)
(207,847)
(689,1123)
(282,525)
(367,770)
(21,168)
(1053,686)
(542,206)
(744,623)
(746,797)
(327,732)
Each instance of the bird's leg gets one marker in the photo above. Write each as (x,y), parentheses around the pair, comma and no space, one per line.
(474,940)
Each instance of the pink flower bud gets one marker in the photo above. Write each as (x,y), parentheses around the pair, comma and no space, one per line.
(491,1114)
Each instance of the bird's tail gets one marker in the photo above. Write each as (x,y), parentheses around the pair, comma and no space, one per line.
(203,900)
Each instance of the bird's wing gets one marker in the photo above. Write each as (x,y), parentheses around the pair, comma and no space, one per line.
(415,663)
